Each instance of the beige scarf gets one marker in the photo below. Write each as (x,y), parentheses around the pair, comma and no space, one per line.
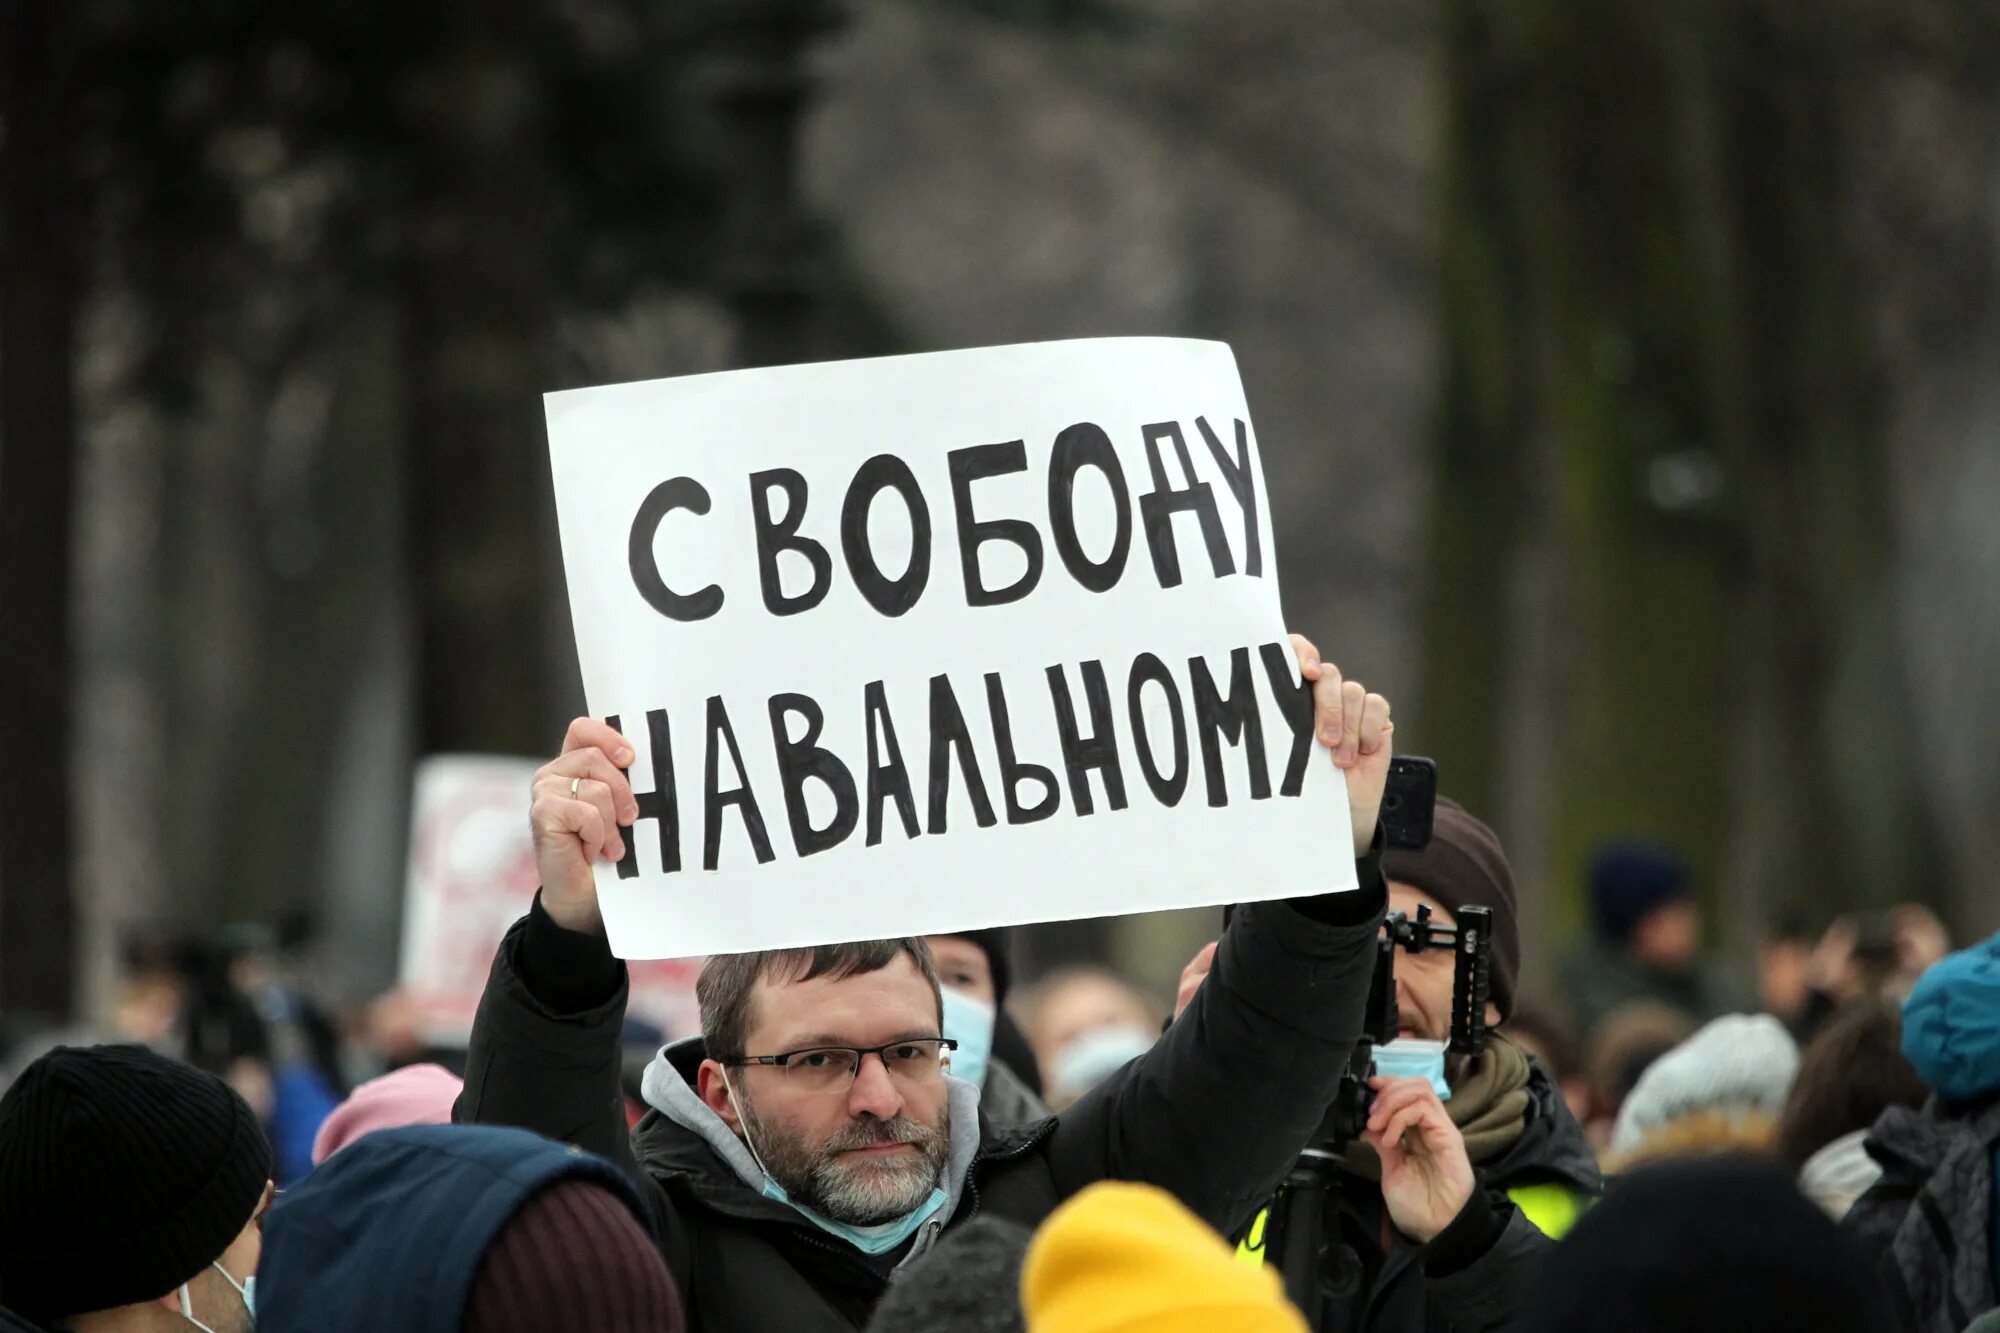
(1489,1104)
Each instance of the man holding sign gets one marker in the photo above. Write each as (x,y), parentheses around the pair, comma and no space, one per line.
(811,1141)
(821,726)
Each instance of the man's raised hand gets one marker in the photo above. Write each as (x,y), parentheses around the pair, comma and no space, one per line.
(1426,1176)
(1355,726)
(580,803)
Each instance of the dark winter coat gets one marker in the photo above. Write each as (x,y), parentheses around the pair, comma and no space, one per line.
(1930,1216)
(1214,1113)
(391,1236)
(1548,1173)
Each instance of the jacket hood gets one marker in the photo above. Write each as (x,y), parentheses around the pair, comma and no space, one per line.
(390,1232)
(1951,1023)
(1551,1144)
(668,1087)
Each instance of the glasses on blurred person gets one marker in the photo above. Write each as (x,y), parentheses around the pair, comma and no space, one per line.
(833,1068)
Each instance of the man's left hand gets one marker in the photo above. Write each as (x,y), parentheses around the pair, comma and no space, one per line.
(1355,725)
(1426,1176)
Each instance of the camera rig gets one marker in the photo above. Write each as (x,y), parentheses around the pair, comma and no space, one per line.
(1294,1238)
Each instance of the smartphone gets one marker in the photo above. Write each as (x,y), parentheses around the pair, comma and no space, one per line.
(1408,801)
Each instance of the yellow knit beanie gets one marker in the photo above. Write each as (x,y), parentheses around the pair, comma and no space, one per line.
(1121,1258)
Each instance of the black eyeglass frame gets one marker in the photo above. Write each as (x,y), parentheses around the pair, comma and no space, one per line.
(860,1053)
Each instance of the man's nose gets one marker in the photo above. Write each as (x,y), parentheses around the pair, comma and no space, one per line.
(874,1092)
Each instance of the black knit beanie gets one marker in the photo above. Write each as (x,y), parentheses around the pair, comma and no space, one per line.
(1464,866)
(996,945)
(122,1175)
(1707,1245)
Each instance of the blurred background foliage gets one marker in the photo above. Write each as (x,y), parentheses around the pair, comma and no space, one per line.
(1625,374)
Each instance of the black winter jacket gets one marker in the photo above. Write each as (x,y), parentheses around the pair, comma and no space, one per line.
(1476,1274)
(1214,1113)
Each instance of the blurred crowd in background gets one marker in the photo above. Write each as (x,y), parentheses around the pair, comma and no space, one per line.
(237,1003)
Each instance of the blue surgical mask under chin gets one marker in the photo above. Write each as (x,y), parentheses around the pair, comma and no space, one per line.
(880,1238)
(969,1022)
(1414,1057)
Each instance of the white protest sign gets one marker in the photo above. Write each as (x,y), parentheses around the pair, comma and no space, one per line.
(939,642)
(472,875)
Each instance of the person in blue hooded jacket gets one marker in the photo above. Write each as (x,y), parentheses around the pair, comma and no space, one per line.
(441,1228)
(1932,1216)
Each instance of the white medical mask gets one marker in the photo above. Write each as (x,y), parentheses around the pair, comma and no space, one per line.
(1414,1057)
(878,1238)
(969,1022)
(246,1289)
(1088,1060)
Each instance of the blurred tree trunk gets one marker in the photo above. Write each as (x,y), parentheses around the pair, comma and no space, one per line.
(478,314)
(1658,515)
(40,229)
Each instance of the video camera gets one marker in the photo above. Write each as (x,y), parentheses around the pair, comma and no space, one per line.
(1294,1237)
(1471,943)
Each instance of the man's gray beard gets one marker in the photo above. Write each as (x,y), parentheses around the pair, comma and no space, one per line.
(859,1194)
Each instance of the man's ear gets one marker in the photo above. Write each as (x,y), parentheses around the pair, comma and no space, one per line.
(713,1090)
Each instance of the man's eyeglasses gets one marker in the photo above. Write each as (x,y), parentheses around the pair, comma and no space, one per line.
(826,1068)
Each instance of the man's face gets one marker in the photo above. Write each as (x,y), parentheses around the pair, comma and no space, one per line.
(864,1151)
(212,1299)
(963,966)
(1423,980)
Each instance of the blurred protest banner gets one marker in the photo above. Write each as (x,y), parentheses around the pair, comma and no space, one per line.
(939,642)
(472,875)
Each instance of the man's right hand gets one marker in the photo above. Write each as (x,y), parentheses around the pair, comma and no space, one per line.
(581,801)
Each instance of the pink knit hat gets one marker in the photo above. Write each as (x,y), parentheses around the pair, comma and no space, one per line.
(412,1095)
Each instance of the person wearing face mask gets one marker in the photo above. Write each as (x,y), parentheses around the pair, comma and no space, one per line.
(132,1195)
(813,1139)
(1526,1170)
(974,969)
(1086,1024)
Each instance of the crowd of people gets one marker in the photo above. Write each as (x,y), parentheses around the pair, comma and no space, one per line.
(890,1135)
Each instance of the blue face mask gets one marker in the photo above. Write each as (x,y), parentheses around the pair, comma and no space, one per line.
(1095,1056)
(879,1238)
(969,1022)
(1414,1057)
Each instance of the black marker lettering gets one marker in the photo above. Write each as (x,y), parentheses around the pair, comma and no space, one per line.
(774,537)
(1012,771)
(715,799)
(1233,719)
(888,777)
(1167,787)
(805,759)
(1079,446)
(1097,751)
(967,466)
(674,493)
(892,597)
(1164,501)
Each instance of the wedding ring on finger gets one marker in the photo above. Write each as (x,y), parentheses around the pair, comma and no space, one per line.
(574,784)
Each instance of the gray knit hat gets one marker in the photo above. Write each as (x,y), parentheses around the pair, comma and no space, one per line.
(1740,1063)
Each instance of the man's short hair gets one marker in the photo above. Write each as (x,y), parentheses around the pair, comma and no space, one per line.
(723,989)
